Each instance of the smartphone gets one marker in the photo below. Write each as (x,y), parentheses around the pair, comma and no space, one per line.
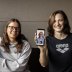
(40,40)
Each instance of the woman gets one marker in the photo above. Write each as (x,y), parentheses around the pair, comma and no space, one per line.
(57,53)
(14,49)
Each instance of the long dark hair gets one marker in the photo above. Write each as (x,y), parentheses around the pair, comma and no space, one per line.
(66,28)
(19,38)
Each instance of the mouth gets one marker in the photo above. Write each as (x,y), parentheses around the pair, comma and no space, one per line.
(14,33)
(58,27)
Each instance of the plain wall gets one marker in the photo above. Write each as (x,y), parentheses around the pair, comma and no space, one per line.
(32,14)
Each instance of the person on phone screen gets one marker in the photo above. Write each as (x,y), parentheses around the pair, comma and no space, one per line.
(15,50)
(56,54)
(40,38)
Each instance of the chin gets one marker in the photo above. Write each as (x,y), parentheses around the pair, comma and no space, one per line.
(13,36)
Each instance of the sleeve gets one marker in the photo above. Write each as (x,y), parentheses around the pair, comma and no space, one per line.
(1,57)
(5,59)
(21,62)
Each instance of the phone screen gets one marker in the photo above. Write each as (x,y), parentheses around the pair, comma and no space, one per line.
(40,37)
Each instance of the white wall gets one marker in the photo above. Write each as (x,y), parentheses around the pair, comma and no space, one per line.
(33,14)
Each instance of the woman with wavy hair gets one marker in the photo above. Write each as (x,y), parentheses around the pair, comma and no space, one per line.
(57,52)
(15,49)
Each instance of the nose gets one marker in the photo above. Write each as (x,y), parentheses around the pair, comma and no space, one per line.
(57,23)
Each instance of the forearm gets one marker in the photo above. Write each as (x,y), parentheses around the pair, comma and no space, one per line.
(19,64)
(16,65)
(9,65)
(43,59)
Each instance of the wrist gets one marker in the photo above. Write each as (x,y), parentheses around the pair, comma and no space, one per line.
(42,50)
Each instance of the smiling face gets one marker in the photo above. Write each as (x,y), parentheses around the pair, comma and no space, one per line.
(12,30)
(59,23)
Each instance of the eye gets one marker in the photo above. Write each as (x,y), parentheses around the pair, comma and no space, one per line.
(12,28)
(61,19)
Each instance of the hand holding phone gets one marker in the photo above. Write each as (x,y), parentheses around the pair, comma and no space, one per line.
(40,40)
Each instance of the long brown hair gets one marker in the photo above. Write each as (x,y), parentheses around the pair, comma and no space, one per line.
(19,38)
(66,28)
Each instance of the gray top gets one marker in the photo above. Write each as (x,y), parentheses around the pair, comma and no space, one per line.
(13,61)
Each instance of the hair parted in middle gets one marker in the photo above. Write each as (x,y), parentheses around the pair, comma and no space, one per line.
(66,28)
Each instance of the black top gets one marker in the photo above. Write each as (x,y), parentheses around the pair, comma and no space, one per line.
(60,54)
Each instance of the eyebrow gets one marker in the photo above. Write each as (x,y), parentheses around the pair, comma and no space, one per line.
(12,26)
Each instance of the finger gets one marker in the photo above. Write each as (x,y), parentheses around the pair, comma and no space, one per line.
(35,37)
